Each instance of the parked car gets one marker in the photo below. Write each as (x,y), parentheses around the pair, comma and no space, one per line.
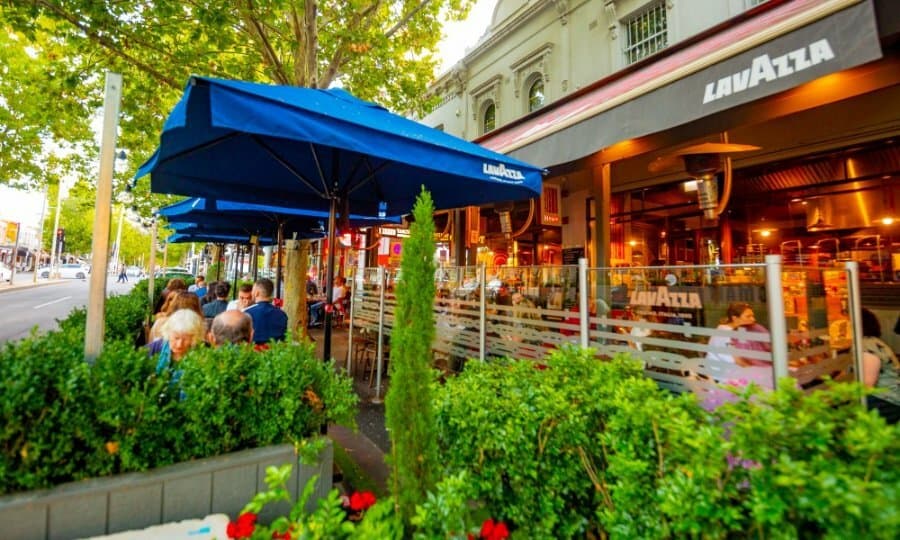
(134,271)
(67,271)
(5,273)
(174,272)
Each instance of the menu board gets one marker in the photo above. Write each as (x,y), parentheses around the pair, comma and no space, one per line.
(571,255)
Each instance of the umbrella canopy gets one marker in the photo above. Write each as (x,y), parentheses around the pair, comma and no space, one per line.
(303,147)
(257,218)
(201,229)
(179,237)
(321,150)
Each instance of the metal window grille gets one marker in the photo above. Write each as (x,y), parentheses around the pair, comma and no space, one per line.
(489,119)
(646,33)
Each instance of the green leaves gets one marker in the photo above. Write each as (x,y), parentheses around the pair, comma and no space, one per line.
(65,420)
(584,446)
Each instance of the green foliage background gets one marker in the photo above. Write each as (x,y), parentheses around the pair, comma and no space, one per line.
(55,54)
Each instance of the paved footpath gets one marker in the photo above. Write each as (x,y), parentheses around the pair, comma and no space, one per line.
(366,446)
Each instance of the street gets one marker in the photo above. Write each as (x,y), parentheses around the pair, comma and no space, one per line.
(25,308)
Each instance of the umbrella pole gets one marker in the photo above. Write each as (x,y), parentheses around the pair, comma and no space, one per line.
(237,253)
(329,279)
(280,242)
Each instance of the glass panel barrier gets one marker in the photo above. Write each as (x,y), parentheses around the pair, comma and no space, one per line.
(673,319)
(818,316)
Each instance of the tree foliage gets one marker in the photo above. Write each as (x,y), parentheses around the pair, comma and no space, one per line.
(54,52)
(409,414)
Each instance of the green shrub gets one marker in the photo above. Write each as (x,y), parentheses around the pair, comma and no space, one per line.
(588,447)
(284,393)
(65,420)
(48,433)
(409,407)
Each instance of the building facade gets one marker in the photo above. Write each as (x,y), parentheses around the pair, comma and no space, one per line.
(628,104)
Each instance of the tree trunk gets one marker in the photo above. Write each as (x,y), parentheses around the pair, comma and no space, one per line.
(296,268)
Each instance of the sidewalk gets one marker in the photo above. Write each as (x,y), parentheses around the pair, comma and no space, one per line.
(25,280)
(368,445)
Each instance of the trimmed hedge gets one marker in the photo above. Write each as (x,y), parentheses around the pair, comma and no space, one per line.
(576,446)
(64,420)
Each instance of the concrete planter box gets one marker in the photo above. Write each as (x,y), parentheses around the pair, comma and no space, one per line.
(194,489)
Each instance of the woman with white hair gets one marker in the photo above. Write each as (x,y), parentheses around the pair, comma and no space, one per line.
(183,330)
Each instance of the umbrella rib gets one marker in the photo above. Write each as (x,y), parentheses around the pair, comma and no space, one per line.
(371,176)
(193,149)
(290,167)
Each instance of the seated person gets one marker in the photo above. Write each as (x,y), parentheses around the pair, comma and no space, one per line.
(739,318)
(317,309)
(181,331)
(244,298)
(881,369)
(269,322)
(230,327)
(220,304)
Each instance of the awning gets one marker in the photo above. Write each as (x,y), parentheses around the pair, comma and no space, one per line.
(792,44)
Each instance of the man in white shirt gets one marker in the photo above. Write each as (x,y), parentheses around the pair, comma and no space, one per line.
(317,310)
(244,298)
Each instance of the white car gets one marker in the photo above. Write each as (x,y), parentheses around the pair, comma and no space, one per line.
(67,271)
(5,273)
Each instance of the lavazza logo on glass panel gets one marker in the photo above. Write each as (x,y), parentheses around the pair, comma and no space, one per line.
(764,69)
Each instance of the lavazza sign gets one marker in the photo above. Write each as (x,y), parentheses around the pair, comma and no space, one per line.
(764,69)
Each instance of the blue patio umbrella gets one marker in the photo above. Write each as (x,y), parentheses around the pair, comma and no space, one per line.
(321,150)
(257,217)
(252,218)
(211,238)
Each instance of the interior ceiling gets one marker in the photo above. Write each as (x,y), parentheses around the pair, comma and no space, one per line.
(805,154)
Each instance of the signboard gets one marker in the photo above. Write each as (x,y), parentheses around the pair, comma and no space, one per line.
(571,255)
(550,196)
(9,230)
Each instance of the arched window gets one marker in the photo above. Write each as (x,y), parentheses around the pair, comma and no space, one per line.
(489,118)
(536,95)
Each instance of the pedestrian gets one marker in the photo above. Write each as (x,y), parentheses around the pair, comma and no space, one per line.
(123,276)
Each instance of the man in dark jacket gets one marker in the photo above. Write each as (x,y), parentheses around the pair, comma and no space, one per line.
(269,322)
(220,304)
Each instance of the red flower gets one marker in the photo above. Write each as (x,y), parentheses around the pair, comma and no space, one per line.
(539,366)
(360,501)
(243,527)
(491,530)
(286,535)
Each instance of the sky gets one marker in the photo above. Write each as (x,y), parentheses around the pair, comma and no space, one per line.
(459,36)
(25,207)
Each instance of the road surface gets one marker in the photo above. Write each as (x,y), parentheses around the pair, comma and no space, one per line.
(22,309)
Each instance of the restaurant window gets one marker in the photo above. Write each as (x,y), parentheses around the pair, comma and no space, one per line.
(536,95)
(489,118)
(646,33)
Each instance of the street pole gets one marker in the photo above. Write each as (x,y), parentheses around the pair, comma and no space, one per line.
(151,267)
(40,237)
(95,325)
(15,255)
(119,239)
(54,256)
